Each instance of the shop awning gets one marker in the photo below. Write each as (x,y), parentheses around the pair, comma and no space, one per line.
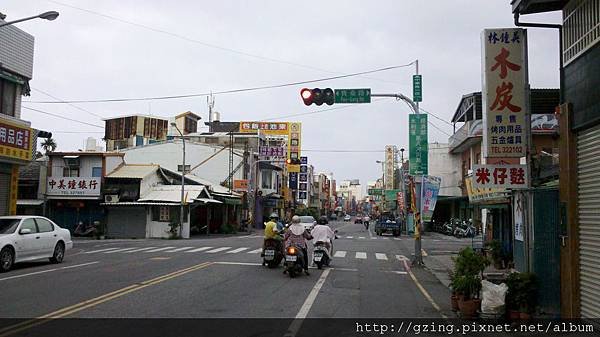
(29,202)
(11,78)
(208,201)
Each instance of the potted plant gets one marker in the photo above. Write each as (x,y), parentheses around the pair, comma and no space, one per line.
(454,296)
(466,280)
(527,299)
(513,295)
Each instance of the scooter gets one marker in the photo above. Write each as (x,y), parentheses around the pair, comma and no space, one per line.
(294,261)
(321,255)
(448,228)
(84,230)
(273,253)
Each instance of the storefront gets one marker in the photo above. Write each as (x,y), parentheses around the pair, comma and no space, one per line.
(16,139)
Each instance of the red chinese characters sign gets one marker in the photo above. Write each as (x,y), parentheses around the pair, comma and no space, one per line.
(15,142)
(500,176)
(504,84)
(74,186)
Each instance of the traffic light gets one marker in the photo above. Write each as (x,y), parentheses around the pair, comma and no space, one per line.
(294,161)
(317,96)
(44,134)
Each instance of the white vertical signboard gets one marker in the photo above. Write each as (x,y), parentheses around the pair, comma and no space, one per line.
(390,153)
(504,92)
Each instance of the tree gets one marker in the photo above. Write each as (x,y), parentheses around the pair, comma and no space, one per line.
(49,145)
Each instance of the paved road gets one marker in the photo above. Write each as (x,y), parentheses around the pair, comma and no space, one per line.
(223,277)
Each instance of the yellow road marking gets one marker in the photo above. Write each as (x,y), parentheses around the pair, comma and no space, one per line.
(426,294)
(160,258)
(10,330)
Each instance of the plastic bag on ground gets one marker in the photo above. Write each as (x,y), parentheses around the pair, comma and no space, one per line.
(493,297)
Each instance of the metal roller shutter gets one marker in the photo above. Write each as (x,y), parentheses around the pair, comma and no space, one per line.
(4,193)
(588,184)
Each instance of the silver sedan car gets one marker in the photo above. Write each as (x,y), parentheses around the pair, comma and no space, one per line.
(27,238)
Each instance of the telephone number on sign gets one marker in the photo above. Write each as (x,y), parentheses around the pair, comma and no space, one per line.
(508,149)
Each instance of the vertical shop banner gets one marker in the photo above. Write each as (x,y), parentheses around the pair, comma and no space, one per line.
(518,205)
(293,180)
(505,131)
(389,167)
(430,194)
(417,144)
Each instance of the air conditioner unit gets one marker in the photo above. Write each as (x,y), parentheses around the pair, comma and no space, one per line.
(111,198)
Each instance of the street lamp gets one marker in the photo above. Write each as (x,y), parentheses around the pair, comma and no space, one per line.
(51,15)
(382,171)
(182,180)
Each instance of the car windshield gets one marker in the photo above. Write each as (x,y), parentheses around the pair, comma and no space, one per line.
(8,226)
(307,219)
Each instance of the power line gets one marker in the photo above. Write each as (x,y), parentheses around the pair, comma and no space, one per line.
(317,111)
(435,116)
(73,105)
(83,132)
(206,44)
(225,91)
(62,117)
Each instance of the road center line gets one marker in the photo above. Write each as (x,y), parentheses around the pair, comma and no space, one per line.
(310,300)
(48,270)
(15,328)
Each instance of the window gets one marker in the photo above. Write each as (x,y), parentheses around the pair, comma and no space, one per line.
(96,171)
(44,225)
(161,213)
(187,168)
(8,97)
(70,171)
(266,179)
(478,158)
(29,224)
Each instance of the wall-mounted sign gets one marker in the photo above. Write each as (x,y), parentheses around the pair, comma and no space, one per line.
(302,195)
(293,180)
(303,187)
(303,177)
(73,186)
(15,141)
(504,90)
(500,176)
(240,185)
(268,128)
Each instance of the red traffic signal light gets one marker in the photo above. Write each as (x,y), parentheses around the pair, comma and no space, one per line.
(294,161)
(317,96)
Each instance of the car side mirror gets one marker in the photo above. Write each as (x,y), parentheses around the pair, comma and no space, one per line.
(25,231)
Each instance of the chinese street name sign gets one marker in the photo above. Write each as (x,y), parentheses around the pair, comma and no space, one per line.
(417,141)
(352,95)
(272,151)
(74,186)
(504,91)
(375,191)
(417,89)
(500,176)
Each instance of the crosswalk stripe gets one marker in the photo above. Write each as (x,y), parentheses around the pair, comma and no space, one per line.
(349,237)
(178,249)
(138,250)
(374,238)
(119,250)
(380,256)
(198,249)
(340,253)
(216,250)
(158,249)
(360,255)
(397,239)
(236,250)
(255,251)
(361,237)
(101,250)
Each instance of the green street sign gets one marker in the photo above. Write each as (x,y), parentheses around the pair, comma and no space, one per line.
(352,96)
(417,89)
(375,191)
(417,144)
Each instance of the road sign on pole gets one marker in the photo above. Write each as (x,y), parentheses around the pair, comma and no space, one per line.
(417,89)
(418,144)
(352,96)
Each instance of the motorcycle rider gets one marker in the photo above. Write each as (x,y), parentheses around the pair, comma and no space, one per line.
(366,220)
(272,231)
(322,232)
(297,236)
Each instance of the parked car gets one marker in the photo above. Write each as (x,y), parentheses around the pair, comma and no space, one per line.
(27,238)
(308,222)
(347,218)
(333,217)
(358,219)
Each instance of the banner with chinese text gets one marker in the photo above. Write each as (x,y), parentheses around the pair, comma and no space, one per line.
(74,186)
(15,141)
(505,130)
(417,144)
(389,167)
(431,190)
(500,176)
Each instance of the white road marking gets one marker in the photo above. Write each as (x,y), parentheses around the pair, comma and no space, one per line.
(119,250)
(380,256)
(340,253)
(361,237)
(397,272)
(310,300)
(138,250)
(158,249)
(101,250)
(360,255)
(423,252)
(178,249)
(349,237)
(198,249)
(48,270)
(255,251)
(401,258)
(216,250)
(397,239)
(373,238)
(237,250)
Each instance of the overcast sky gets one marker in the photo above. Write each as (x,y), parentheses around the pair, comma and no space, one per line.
(222,45)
